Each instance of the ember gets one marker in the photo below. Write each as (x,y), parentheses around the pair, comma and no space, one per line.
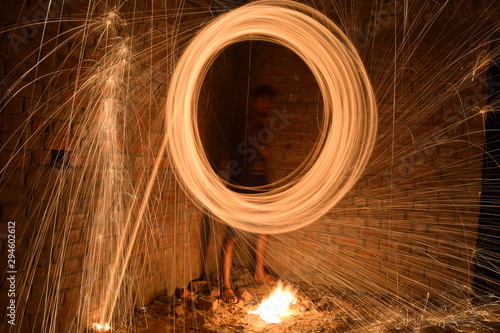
(100,328)
(277,304)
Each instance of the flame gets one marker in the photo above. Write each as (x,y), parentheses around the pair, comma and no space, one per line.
(101,328)
(276,304)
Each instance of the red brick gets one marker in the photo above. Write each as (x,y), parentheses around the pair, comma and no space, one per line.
(13,211)
(348,241)
(207,303)
(42,157)
(15,159)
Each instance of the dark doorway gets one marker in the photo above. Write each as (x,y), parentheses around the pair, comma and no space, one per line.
(487,265)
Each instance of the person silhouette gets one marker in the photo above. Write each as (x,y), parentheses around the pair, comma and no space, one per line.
(251,156)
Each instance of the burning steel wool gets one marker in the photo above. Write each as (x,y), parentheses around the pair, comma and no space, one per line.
(301,307)
(101,328)
(277,304)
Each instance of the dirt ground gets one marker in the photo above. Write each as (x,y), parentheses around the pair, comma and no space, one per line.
(317,309)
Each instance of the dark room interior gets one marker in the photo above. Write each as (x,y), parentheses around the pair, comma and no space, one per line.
(250,166)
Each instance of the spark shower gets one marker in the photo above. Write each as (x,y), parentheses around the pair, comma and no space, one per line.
(106,179)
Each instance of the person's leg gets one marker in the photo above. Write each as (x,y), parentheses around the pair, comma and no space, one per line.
(260,274)
(227,261)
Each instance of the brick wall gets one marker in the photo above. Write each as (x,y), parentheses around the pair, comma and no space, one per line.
(96,96)
(407,227)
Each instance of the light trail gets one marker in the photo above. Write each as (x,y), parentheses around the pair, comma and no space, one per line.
(346,138)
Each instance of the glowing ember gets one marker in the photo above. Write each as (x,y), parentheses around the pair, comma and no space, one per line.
(277,304)
(101,328)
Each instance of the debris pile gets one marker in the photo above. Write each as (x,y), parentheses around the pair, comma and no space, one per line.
(198,308)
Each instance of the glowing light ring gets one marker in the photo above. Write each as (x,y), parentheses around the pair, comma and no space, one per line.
(345,141)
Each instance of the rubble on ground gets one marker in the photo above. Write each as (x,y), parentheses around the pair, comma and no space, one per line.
(198,308)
